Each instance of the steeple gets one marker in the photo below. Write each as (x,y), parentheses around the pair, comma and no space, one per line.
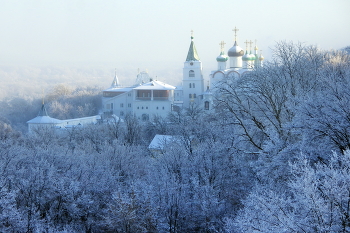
(43,111)
(192,54)
(115,82)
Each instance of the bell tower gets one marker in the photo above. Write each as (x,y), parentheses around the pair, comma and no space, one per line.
(192,81)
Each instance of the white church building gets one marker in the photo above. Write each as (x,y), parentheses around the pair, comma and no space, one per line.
(151,98)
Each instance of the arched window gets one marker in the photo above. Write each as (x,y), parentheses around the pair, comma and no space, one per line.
(206,105)
(145,117)
(191,73)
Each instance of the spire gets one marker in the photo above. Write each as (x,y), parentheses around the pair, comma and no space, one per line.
(192,54)
(115,82)
(43,111)
(256,48)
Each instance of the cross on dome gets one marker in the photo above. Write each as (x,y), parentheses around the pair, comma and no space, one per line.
(246,44)
(222,45)
(250,43)
(235,30)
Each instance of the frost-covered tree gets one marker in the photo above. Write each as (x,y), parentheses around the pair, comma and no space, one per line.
(318,200)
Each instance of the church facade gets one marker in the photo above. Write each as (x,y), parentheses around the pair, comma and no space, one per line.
(151,98)
(147,99)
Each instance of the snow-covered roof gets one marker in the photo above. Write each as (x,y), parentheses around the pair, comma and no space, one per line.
(159,141)
(155,85)
(119,89)
(44,120)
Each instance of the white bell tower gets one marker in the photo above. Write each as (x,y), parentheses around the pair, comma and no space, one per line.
(193,82)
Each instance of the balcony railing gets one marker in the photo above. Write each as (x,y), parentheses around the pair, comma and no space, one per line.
(154,98)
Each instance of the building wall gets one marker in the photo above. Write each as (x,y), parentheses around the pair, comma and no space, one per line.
(193,82)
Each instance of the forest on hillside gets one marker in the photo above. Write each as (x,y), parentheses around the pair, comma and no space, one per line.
(273,157)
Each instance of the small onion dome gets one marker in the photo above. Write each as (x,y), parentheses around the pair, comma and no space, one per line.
(235,51)
(261,58)
(246,57)
(222,57)
(252,57)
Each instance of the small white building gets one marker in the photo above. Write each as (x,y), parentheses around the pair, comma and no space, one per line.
(44,121)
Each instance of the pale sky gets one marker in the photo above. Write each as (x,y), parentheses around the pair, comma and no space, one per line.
(156,33)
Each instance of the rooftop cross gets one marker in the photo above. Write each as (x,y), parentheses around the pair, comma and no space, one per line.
(235,30)
(222,45)
(192,34)
(250,43)
(246,44)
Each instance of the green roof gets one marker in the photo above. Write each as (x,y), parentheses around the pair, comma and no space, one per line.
(192,53)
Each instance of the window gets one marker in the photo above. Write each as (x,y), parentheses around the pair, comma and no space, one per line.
(206,105)
(163,108)
(157,107)
(138,107)
(108,106)
(193,85)
(145,117)
(129,105)
(129,94)
(121,105)
(190,85)
(121,113)
(142,107)
(146,107)
(190,96)
(191,73)
(194,96)
(112,106)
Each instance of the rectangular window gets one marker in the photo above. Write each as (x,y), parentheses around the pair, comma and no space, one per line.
(129,105)
(121,105)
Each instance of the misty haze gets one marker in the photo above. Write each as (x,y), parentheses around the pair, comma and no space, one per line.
(159,116)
